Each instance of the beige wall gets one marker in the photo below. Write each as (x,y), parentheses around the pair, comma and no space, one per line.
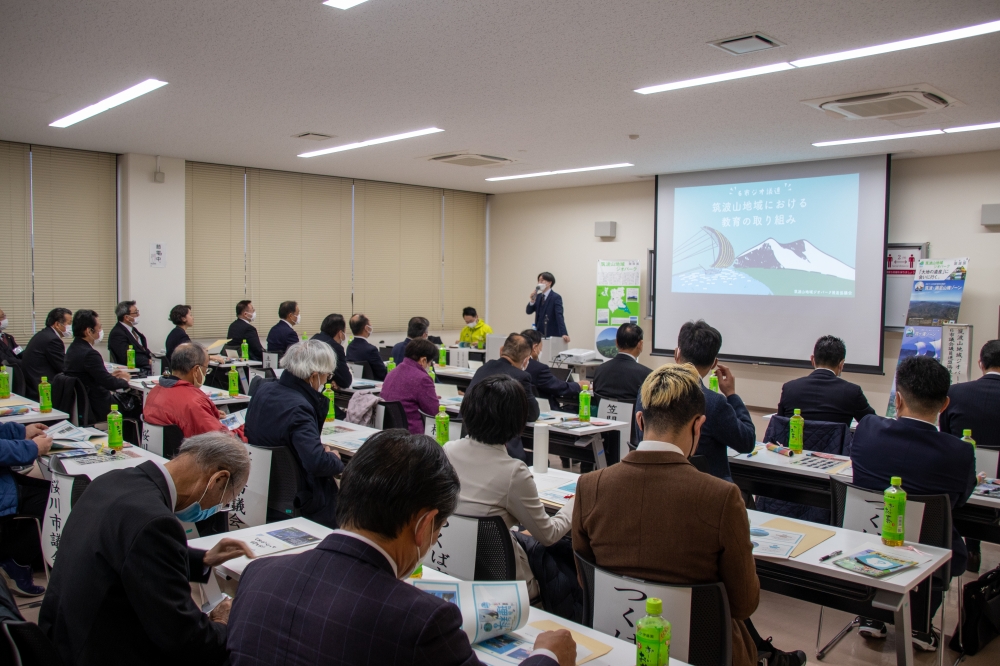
(935,199)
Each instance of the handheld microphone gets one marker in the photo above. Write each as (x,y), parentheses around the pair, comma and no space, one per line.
(539,288)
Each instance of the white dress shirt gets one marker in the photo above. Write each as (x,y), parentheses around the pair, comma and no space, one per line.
(653,445)
(366,540)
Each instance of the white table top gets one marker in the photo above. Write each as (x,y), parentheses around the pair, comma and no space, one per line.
(74,467)
(111,367)
(218,396)
(339,440)
(34,416)
(352,388)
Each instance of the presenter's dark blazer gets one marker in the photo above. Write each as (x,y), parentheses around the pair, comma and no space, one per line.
(175,338)
(501,366)
(620,378)
(361,351)
(823,396)
(124,568)
(86,364)
(45,356)
(548,385)
(241,330)
(341,605)
(281,337)
(976,406)
(929,462)
(548,313)
(118,341)
(341,374)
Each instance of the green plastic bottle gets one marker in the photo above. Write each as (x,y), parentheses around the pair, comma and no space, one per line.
(894,516)
(585,403)
(245,351)
(390,365)
(967,437)
(482,343)
(331,412)
(796,424)
(713,382)
(234,382)
(442,426)
(115,429)
(130,358)
(443,356)
(305,336)
(652,636)
(430,371)
(4,382)
(45,396)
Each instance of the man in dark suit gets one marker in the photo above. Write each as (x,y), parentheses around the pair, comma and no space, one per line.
(125,334)
(348,596)
(822,395)
(620,378)
(361,351)
(282,335)
(514,357)
(727,421)
(417,327)
(243,329)
(547,306)
(125,566)
(928,461)
(548,385)
(86,364)
(45,355)
(10,352)
(333,331)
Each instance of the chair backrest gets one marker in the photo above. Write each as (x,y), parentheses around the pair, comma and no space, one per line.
(430,425)
(17,382)
(357,370)
(987,461)
(250,507)
(701,631)
(385,353)
(475,365)
(60,503)
(610,410)
(69,395)
(823,436)
(29,646)
(390,415)
(114,357)
(162,440)
(474,549)
(562,374)
(284,482)
(270,360)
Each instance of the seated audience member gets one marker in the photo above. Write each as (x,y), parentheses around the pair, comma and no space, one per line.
(655,517)
(125,334)
(822,395)
(418,327)
(410,384)
(514,357)
(86,364)
(178,399)
(493,483)
(475,330)
(10,353)
(243,329)
(282,335)
(361,351)
(727,421)
(45,355)
(333,331)
(291,412)
(928,461)
(395,496)
(20,445)
(124,561)
(621,377)
(182,317)
(547,384)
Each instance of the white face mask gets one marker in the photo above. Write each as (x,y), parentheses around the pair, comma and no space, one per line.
(199,383)
(472,324)
(370,330)
(540,287)
(253,315)
(68,333)
(420,558)
(100,336)
(298,318)
(135,321)
(3,323)
(525,365)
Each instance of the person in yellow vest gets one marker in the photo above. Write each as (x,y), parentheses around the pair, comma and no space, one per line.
(475,329)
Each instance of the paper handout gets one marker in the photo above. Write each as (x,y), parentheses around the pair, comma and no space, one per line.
(65,435)
(235,420)
(772,542)
(489,608)
(559,495)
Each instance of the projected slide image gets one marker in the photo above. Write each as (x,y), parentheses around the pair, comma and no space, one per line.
(794,237)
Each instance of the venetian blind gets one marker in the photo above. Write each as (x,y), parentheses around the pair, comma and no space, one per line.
(299,246)
(464,269)
(75,231)
(215,246)
(15,229)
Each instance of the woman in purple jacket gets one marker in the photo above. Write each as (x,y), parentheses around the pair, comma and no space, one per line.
(410,384)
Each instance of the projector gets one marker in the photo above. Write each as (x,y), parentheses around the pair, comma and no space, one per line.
(575,356)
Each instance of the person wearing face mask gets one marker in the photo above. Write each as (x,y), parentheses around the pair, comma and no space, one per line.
(333,331)
(45,355)
(475,329)
(513,361)
(655,517)
(86,364)
(125,334)
(10,352)
(410,384)
(178,400)
(348,595)
(361,351)
(243,329)
(291,412)
(547,306)
(282,335)
(125,566)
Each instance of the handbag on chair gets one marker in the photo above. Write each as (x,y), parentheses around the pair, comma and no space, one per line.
(981,599)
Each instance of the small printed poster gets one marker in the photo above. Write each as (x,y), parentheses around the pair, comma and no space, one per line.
(617,301)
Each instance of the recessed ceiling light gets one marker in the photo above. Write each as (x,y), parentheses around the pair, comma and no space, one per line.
(562,171)
(715,78)
(910,135)
(111,102)
(343,4)
(372,142)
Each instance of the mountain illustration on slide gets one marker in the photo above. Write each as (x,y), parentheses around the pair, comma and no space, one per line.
(798,255)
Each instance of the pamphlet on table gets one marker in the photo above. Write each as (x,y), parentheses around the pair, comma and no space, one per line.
(65,435)
(559,495)
(882,561)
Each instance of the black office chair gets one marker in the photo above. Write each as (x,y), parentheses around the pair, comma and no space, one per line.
(385,353)
(495,558)
(366,370)
(173,437)
(285,483)
(394,415)
(70,396)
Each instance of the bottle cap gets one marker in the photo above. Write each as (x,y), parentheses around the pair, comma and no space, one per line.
(45,379)
(966,433)
(584,386)
(130,346)
(896,481)
(798,412)
(114,408)
(327,387)
(654,606)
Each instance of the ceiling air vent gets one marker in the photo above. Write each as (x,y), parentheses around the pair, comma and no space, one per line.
(747,44)
(888,104)
(313,136)
(471,159)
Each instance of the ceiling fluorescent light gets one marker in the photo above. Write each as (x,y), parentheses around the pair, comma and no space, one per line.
(562,171)
(951,35)
(343,4)
(372,142)
(885,137)
(716,78)
(111,102)
(973,128)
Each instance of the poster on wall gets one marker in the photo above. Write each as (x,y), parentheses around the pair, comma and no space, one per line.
(617,302)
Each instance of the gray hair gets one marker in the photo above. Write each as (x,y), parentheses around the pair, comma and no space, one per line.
(187,357)
(304,358)
(220,451)
(122,309)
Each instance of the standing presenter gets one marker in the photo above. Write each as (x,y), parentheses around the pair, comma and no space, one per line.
(547,306)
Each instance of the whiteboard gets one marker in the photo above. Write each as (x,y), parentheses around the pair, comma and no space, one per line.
(899,280)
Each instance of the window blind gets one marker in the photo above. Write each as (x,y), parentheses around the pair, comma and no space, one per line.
(15,250)
(464,268)
(75,231)
(214,239)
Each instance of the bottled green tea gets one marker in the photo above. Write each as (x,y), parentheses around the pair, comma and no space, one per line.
(796,425)
(115,440)
(713,382)
(390,365)
(894,515)
(585,403)
(234,382)
(331,412)
(4,382)
(967,437)
(245,351)
(130,357)
(442,426)
(652,636)
(45,396)
(443,356)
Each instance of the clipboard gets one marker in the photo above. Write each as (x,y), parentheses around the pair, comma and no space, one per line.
(812,536)
(597,648)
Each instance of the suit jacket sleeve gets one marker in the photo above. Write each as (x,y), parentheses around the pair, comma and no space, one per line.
(781,403)
(155,575)
(550,385)
(533,409)
(341,374)
(531,306)
(736,564)
(94,365)
(55,354)
(733,426)
(305,438)
(586,495)
(557,311)
(523,503)
(861,407)
(376,364)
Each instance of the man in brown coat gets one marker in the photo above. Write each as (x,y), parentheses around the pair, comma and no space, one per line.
(655,517)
